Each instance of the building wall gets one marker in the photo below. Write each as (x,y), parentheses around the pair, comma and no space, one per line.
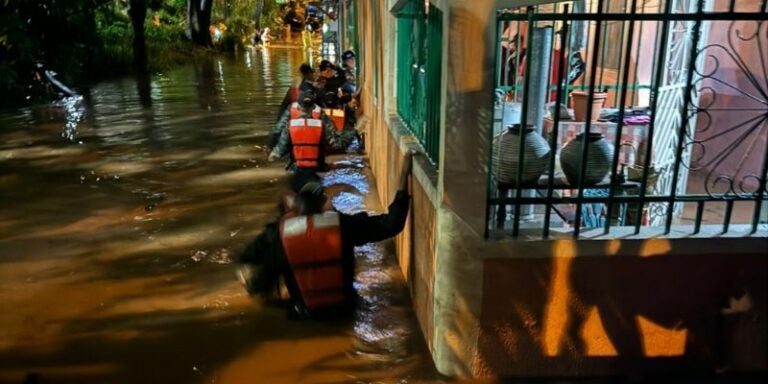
(513,308)
(640,307)
(386,142)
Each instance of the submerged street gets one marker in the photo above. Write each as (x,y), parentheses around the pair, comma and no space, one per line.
(123,216)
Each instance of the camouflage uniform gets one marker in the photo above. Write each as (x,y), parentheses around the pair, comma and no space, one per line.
(333,139)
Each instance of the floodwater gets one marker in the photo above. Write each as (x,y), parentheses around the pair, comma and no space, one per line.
(123,213)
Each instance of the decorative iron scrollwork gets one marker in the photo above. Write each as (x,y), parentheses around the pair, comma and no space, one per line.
(724,151)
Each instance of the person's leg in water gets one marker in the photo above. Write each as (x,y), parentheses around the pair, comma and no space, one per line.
(303,176)
(297,181)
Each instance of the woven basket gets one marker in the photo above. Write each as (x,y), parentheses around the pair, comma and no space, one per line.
(635,173)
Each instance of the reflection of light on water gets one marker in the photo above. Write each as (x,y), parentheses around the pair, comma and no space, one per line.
(219,256)
(248,62)
(158,155)
(381,324)
(221,81)
(155,89)
(73,114)
(266,70)
(382,331)
(347,176)
(348,203)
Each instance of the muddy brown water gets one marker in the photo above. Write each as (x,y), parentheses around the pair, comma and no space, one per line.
(123,213)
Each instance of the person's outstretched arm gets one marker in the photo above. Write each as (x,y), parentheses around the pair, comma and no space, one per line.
(361,228)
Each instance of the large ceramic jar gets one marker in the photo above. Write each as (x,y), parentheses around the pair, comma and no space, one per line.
(599,160)
(506,155)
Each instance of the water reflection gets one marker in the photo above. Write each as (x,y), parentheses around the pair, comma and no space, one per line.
(209,83)
(144,88)
(115,254)
(73,112)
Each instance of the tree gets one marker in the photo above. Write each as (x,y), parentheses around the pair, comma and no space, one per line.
(257,14)
(198,20)
(138,13)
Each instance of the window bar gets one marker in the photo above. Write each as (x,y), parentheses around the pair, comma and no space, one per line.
(761,188)
(588,122)
(602,51)
(572,42)
(657,79)
(423,79)
(523,122)
(714,16)
(436,72)
(693,198)
(699,214)
(639,46)
(564,35)
(587,56)
(620,123)
(500,63)
(764,7)
(402,70)
(728,213)
(516,73)
(501,70)
(619,67)
(732,6)
(429,96)
(684,116)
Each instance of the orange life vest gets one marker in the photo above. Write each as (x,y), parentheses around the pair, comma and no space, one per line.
(336,116)
(296,112)
(312,246)
(306,137)
(293,93)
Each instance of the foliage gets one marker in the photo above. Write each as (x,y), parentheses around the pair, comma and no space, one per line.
(240,18)
(87,40)
(40,33)
(272,15)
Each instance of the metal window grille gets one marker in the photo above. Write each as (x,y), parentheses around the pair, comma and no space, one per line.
(419,70)
(687,110)
(376,25)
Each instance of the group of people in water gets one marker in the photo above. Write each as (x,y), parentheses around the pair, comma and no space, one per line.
(317,115)
(305,258)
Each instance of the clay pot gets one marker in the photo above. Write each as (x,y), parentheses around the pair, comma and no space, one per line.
(579,101)
(506,155)
(599,159)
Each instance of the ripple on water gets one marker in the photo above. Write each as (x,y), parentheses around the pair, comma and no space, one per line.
(218,256)
(144,161)
(348,203)
(370,254)
(382,331)
(350,162)
(351,177)
(381,326)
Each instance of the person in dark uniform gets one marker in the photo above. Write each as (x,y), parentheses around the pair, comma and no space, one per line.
(330,81)
(311,250)
(306,133)
(292,96)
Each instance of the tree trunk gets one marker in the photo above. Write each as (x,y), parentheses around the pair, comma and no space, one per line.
(225,8)
(257,14)
(138,13)
(198,20)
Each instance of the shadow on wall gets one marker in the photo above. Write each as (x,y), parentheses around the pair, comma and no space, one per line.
(623,313)
(468,115)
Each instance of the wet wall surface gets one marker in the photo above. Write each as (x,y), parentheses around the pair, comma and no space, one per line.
(123,213)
